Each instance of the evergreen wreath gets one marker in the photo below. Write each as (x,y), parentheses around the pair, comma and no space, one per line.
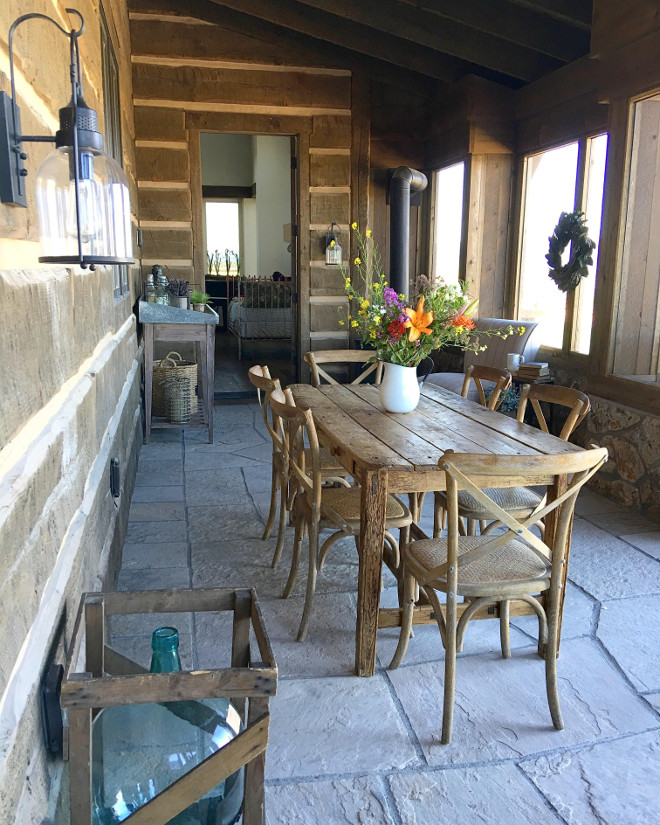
(570,229)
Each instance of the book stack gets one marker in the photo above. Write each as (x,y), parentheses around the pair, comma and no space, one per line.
(532,370)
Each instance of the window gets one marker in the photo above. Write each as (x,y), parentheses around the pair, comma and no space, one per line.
(223,231)
(447,222)
(559,180)
(112,122)
(637,339)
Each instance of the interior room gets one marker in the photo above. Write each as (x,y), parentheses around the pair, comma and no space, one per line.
(330,413)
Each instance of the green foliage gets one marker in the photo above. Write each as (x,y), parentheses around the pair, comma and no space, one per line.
(199,297)
(570,229)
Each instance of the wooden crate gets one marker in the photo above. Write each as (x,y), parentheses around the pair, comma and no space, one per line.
(112,679)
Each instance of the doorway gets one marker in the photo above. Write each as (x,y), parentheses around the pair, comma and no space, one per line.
(249,203)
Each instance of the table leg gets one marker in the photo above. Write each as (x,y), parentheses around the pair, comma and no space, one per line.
(372,529)
(210,377)
(148,378)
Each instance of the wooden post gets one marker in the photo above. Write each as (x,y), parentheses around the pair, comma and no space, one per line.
(372,529)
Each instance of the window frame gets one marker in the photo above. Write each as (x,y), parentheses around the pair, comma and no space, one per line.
(112,128)
(241,240)
(583,142)
(462,249)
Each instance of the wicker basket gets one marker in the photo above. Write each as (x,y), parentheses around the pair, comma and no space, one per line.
(168,367)
(179,400)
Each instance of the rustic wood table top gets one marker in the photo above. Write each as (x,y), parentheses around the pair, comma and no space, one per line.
(398,453)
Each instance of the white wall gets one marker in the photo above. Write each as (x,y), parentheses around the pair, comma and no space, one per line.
(272,166)
(226,160)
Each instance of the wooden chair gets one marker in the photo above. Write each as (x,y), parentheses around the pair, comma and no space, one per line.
(332,472)
(480,372)
(497,569)
(317,507)
(522,500)
(501,378)
(343,356)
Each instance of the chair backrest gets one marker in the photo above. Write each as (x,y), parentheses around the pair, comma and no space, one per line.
(497,349)
(260,378)
(477,474)
(481,372)
(298,424)
(578,403)
(343,356)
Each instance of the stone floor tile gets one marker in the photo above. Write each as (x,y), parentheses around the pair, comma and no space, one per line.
(217,487)
(153,532)
(259,452)
(164,578)
(159,465)
(143,495)
(144,624)
(219,460)
(610,783)
(590,502)
(618,523)
(165,436)
(210,523)
(494,794)
(648,542)
(501,709)
(326,726)
(232,434)
(213,634)
(630,629)
(578,618)
(607,567)
(258,479)
(654,700)
(154,556)
(160,478)
(481,636)
(163,451)
(328,650)
(156,511)
(337,801)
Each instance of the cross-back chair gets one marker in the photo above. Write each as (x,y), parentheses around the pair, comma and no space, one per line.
(523,500)
(497,569)
(501,378)
(332,472)
(317,507)
(480,372)
(342,356)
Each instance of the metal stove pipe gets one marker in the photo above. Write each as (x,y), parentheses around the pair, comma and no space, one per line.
(403,181)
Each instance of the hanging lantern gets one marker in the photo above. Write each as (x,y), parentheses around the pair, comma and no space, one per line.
(332,246)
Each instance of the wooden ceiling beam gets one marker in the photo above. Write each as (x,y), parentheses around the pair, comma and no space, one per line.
(346,33)
(280,45)
(385,30)
(518,24)
(576,12)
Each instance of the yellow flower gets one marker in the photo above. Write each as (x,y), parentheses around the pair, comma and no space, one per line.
(368,233)
(347,282)
(364,304)
(332,243)
(418,321)
(341,323)
(357,261)
(354,225)
(354,323)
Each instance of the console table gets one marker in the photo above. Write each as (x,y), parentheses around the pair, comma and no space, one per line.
(174,325)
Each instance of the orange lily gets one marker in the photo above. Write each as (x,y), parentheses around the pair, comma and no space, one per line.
(418,321)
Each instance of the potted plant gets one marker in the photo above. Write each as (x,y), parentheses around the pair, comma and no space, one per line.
(199,299)
(178,290)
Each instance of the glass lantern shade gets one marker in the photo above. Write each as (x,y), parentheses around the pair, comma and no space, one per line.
(105,209)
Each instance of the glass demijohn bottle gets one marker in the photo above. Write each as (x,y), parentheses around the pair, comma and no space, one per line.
(150,290)
(139,750)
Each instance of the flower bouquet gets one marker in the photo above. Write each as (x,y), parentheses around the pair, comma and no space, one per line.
(403,331)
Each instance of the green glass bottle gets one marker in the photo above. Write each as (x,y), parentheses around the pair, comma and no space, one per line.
(139,750)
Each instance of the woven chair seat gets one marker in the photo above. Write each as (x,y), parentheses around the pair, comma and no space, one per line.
(346,502)
(328,462)
(511,499)
(513,562)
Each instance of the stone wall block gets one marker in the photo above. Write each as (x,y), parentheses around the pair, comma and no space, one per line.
(647,439)
(629,464)
(621,491)
(607,417)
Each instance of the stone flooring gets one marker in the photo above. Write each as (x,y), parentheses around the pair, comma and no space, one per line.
(349,750)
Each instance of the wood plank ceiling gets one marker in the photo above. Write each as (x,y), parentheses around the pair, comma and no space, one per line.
(511,42)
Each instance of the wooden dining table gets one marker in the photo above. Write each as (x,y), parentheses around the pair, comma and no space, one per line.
(398,453)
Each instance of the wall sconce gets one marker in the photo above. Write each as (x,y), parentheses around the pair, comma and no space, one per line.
(332,247)
(82,194)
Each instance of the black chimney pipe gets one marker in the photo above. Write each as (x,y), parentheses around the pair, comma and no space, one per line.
(403,181)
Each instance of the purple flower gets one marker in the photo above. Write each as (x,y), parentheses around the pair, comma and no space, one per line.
(402,318)
(391,298)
